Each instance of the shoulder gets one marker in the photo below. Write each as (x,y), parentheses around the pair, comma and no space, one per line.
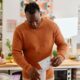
(21,27)
(51,24)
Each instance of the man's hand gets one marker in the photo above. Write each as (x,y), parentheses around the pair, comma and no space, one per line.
(56,61)
(32,73)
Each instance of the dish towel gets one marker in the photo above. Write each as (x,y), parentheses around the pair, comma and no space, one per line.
(45,65)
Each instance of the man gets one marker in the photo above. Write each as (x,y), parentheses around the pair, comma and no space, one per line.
(33,41)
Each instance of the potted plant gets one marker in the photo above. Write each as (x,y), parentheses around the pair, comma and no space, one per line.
(9,46)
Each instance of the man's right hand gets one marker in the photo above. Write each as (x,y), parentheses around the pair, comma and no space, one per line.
(32,73)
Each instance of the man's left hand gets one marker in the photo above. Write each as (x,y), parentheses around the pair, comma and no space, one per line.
(56,61)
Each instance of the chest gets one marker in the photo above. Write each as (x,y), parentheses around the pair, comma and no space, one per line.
(38,38)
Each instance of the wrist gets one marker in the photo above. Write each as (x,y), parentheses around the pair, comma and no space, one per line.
(62,57)
(28,67)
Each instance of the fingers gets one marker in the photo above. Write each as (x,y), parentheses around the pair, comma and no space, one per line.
(52,59)
(56,61)
(35,75)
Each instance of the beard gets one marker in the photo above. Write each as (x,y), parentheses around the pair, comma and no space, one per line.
(34,25)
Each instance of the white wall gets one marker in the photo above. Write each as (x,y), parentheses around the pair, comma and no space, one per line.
(69,29)
(66,8)
(68,26)
(11,10)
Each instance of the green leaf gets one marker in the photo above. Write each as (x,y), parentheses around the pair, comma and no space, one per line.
(54,53)
(9,45)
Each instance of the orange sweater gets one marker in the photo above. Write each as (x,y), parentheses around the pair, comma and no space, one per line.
(36,44)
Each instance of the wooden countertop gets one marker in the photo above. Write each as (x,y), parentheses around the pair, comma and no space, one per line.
(67,63)
(8,65)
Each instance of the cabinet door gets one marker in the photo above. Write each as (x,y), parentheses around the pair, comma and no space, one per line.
(60,75)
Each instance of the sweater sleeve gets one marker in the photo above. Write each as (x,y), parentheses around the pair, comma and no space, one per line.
(17,50)
(60,42)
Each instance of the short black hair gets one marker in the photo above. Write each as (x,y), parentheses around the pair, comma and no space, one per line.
(32,7)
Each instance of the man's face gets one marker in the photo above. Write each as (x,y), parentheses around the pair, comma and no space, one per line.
(33,19)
